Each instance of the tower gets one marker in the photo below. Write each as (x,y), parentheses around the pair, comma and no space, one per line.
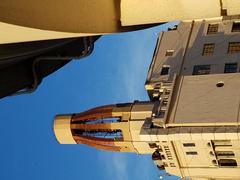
(112,127)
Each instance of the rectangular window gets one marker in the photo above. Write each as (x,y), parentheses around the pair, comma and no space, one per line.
(152,145)
(224,12)
(169,52)
(212,29)
(236,27)
(208,49)
(201,69)
(156,156)
(172,165)
(234,47)
(227,162)
(166,147)
(230,68)
(165,164)
(191,153)
(229,154)
(165,70)
(222,143)
(162,156)
(189,144)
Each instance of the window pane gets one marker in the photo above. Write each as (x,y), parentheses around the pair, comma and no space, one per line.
(165,70)
(225,153)
(227,162)
(189,144)
(236,27)
(208,49)
(224,12)
(201,69)
(156,156)
(212,29)
(230,68)
(191,153)
(152,145)
(169,53)
(234,47)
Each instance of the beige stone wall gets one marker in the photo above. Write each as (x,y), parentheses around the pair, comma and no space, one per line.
(203,159)
(232,6)
(200,112)
(154,11)
(139,112)
(201,101)
(199,166)
(187,42)
(221,40)
(175,40)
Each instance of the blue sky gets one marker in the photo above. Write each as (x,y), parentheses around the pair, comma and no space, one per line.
(114,73)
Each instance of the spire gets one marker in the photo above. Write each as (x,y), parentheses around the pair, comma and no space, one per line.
(112,127)
(105,128)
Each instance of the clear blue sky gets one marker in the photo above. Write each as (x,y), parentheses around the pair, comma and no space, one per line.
(114,73)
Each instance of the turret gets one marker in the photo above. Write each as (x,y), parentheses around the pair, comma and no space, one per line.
(112,127)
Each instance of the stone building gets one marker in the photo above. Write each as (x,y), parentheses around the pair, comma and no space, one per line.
(191,123)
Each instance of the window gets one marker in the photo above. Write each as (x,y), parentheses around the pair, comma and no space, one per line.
(152,145)
(224,12)
(191,153)
(166,147)
(208,49)
(169,52)
(230,68)
(189,144)
(227,162)
(156,156)
(212,29)
(225,153)
(165,164)
(165,70)
(173,28)
(201,69)
(172,165)
(234,47)
(236,27)
(162,156)
(222,143)
(160,167)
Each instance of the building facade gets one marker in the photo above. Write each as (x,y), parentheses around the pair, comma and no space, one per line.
(196,48)
(191,123)
(78,18)
(197,65)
